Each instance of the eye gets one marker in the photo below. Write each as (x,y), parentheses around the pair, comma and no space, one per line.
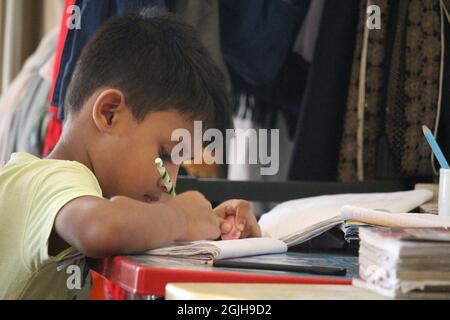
(164,155)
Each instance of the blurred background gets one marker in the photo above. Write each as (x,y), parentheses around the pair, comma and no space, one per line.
(349,101)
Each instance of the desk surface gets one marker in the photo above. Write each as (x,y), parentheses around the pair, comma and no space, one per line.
(149,275)
(239,291)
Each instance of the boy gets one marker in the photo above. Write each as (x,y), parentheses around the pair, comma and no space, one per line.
(99,192)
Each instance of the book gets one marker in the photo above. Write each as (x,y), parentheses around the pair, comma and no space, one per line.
(351,228)
(297,221)
(389,219)
(223,249)
(294,222)
(405,262)
(357,218)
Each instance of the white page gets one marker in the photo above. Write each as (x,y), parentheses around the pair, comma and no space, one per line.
(302,218)
(206,250)
(385,219)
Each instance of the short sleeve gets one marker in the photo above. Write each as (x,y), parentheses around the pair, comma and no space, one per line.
(55,186)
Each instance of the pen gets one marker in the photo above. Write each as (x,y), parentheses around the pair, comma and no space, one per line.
(332,271)
(165,177)
(435,148)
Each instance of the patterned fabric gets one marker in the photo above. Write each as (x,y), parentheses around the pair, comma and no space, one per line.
(414,85)
(401,89)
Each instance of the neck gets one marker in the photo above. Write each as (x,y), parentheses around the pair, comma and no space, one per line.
(71,147)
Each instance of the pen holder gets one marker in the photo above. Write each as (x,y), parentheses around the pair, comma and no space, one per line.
(444,192)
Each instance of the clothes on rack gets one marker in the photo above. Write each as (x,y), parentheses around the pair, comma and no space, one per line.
(25,130)
(401,89)
(257,39)
(319,127)
(300,59)
(18,95)
(256,35)
(54,127)
(305,43)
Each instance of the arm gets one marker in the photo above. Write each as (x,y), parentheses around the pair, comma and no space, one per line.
(99,227)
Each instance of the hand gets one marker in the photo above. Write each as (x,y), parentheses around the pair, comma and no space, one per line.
(245,219)
(201,223)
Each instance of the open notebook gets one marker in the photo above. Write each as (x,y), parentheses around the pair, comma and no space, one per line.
(299,220)
(293,222)
(211,250)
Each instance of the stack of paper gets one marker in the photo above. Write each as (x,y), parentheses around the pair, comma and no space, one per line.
(210,250)
(401,262)
(297,221)
(351,230)
(388,219)
(356,218)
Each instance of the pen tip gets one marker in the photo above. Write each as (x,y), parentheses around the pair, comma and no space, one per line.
(425,129)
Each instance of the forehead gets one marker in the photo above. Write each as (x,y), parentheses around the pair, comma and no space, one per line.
(168,120)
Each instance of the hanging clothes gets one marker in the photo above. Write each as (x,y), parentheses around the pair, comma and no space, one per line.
(393,93)
(319,127)
(305,43)
(375,90)
(256,36)
(54,126)
(19,88)
(24,132)
(22,26)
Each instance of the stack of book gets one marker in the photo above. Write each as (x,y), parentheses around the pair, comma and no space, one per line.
(351,230)
(405,262)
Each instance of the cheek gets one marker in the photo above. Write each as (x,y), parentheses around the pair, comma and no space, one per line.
(133,178)
(145,177)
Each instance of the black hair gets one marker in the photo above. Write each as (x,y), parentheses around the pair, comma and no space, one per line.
(158,62)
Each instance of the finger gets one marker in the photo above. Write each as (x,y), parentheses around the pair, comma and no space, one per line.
(225,227)
(220,211)
(230,210)
(242,216)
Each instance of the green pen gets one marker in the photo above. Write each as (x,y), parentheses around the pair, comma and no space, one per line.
(165,177)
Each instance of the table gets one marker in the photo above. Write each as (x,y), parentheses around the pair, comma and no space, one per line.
(146,277)
(239,291)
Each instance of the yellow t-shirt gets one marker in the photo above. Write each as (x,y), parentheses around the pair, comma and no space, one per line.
(32,191)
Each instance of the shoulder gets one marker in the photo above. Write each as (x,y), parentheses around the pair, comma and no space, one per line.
(29,170)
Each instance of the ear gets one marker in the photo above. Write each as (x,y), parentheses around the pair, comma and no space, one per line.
(108,106)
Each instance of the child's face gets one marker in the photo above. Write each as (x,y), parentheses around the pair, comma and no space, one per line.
(126,164)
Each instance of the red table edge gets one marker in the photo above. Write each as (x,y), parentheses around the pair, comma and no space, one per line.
(125,273)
